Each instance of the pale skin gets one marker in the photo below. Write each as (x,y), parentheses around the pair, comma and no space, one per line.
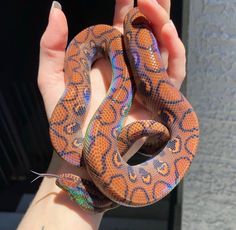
(52,208)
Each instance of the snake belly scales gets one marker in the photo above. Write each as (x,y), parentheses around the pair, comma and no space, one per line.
(114,182)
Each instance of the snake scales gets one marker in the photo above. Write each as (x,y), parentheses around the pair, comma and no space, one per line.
(106,140)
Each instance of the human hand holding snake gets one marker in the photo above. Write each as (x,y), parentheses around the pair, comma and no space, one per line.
(51,75)
(51,85)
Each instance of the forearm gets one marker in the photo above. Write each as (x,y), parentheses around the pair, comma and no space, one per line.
(52,208)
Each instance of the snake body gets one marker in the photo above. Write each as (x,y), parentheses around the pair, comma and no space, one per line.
(106,140)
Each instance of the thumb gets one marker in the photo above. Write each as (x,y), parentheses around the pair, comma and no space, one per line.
(52,54)
(55,36)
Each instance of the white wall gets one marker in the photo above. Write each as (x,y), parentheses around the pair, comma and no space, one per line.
(210,186)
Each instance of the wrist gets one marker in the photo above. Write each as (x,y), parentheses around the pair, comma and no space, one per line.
(54,207)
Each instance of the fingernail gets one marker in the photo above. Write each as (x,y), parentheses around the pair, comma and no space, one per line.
(56,5)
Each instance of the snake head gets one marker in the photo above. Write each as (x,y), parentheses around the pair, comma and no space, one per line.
(84,193)
(73,185)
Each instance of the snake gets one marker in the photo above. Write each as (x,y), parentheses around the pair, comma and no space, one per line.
(137,69)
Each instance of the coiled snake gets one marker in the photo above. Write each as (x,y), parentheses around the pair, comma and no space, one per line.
(106,140)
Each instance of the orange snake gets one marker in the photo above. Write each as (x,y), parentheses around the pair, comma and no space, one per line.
(106,140)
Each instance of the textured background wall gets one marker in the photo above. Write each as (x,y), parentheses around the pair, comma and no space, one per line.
(210,187)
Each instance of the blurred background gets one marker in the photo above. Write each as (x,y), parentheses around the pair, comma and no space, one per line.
(24,140)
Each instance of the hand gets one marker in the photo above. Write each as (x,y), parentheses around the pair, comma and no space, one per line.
(54,41)
(52,53)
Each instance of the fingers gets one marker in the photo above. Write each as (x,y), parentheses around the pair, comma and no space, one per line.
(123,6)
(55,36)
(156,14)
(121,9)
(52,53)
(171,47)
(177,58)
